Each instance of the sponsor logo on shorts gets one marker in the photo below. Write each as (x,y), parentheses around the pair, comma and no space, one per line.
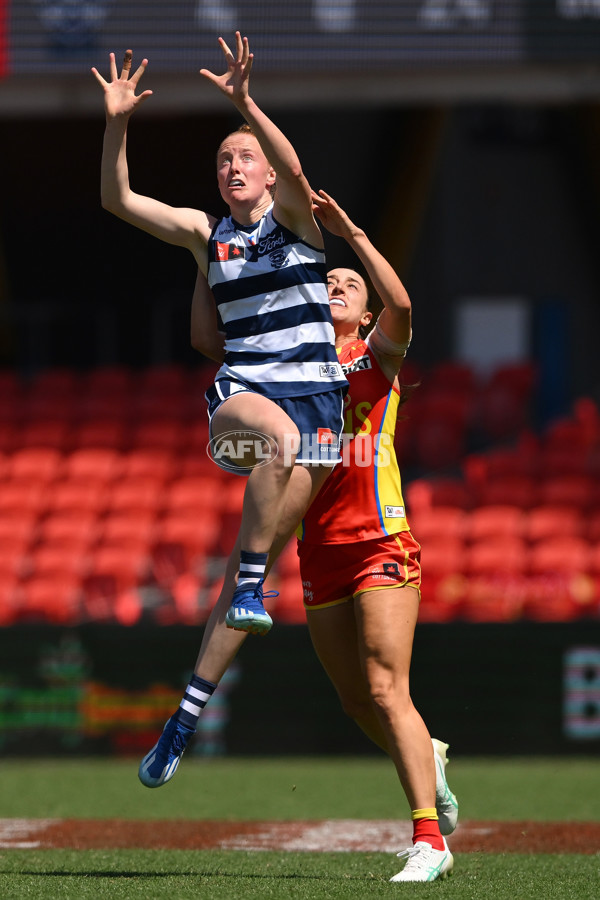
(394,512)
(386,572)
(326,436)
(307,591)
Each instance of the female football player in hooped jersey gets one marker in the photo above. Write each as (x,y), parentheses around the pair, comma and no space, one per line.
(359,562)
(280,384)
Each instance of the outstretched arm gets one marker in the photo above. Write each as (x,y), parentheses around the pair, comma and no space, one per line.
(184,227)
(205,334)
(292,198)
(395,318)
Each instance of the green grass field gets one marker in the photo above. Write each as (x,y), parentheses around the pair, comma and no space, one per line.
(545,789)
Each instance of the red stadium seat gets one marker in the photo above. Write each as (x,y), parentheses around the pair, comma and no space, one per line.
(505,400)
(566,434)
(593,526)
(55,599)
(14,559)
(288,564)
(288,607)
(125,568)
(19,526)
(493,597)
(77,495)
(10,598)
(451,375)
(136,495)
(73,528)
(150,462)
(568,490)
(547,521)
(149,406)
(24,495)
(10,434)
(10,383)
(511,462)
(439,441)
(101,433)
(423,493)
(58,559)
(230,504)
(559,555)
(56,382)
(110,380)
(499,554)
(46,433)
(164,433)
(169,379)
(561,587)
(91,406)
(198,532)
(129,529)
(189,607)
(442,563)
(558,461)
(195,494)
(39,463)
(198,436)
(518,490)
(43,407)
(495,521)
(183,543)
(439,522)
(197,463)
(96,463)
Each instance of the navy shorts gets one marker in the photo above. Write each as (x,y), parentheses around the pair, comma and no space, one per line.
(318,417)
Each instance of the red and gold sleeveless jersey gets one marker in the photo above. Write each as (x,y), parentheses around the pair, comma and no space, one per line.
(362,498)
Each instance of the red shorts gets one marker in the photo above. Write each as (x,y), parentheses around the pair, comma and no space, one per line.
(335,573)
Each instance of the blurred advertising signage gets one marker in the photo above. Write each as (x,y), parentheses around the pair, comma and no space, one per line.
(305,36)
(581,693)
(563,30)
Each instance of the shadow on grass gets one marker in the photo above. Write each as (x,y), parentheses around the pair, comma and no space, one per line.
(178,874)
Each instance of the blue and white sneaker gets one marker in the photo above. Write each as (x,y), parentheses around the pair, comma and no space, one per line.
(247,612)
(160,764)
(445,801)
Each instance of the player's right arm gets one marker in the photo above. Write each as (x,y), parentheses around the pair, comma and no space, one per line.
(183,226)
(204,328)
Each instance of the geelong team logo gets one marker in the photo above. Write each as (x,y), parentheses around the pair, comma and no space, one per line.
(278,259)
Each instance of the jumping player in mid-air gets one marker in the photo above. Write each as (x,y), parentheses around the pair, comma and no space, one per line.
(265,264)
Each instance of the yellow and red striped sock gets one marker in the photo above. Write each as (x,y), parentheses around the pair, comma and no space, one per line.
(426,828)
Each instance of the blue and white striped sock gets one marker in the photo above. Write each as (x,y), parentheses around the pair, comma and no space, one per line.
(197,694)
(252,568)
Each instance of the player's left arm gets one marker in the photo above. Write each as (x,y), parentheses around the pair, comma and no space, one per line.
(204,328)
(292,203)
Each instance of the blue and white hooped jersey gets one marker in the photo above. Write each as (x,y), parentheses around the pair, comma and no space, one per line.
(271,296)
